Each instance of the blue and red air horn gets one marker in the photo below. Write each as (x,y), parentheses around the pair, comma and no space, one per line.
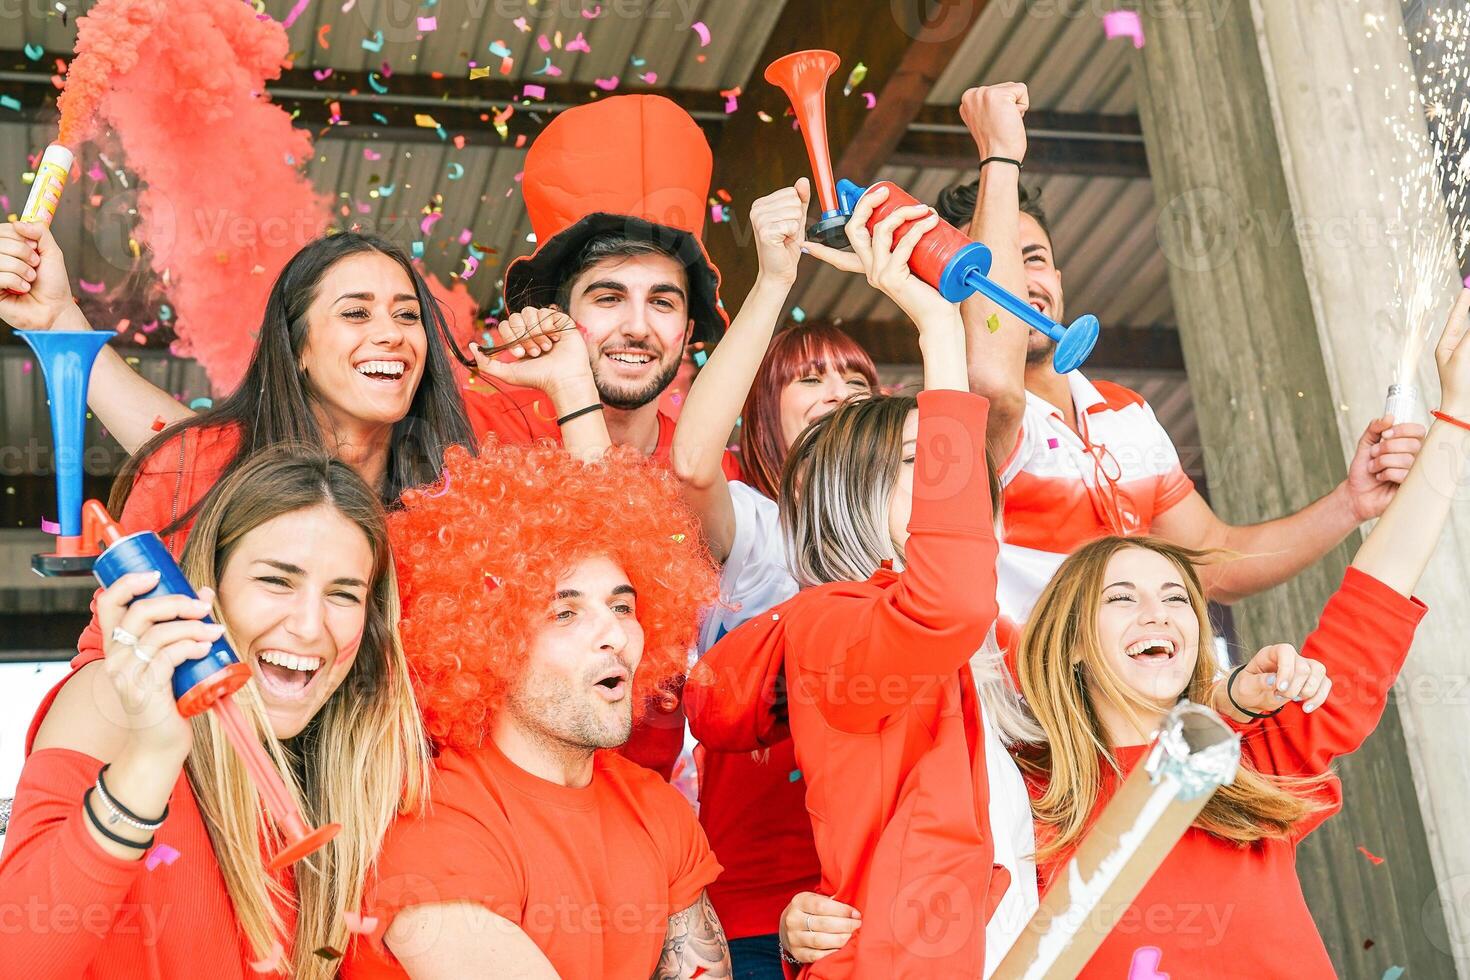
(945,258)
(205,684)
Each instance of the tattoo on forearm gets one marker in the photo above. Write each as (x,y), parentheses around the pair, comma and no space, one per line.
(694,946)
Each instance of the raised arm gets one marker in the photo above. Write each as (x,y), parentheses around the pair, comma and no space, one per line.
(994,114)
(695,945)
(716,397)
(35,294)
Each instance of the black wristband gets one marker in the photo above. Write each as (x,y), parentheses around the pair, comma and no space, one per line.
(116,804)
(1014,163)
(1236,704)
(115,838)
(594,407)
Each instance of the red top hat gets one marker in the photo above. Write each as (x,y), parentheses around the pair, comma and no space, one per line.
(634,164)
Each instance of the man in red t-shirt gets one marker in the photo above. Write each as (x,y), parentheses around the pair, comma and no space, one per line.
(615,191)
(541,856)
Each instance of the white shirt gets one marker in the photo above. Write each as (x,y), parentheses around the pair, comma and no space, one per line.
(755,576)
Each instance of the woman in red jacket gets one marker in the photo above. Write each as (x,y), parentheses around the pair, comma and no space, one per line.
(882,706)
(1116,639)
(289,554)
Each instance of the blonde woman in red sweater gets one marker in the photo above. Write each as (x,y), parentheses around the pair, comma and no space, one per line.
(1117,637)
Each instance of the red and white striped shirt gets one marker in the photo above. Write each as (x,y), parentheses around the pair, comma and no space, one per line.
(1064,488)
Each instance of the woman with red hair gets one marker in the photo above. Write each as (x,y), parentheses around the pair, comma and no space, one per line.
(751,805)
(547,602)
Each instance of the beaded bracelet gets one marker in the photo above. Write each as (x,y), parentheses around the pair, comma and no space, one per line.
(121,814)
(115,838)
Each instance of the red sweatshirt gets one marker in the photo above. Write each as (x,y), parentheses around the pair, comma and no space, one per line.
(885,718)
(1218,910)
(69,909)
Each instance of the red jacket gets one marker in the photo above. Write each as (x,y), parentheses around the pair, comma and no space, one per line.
(1221,911)
(885,718)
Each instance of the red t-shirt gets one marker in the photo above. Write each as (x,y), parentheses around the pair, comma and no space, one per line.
(591,874)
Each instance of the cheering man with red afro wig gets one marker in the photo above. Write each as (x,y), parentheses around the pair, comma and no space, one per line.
(545,601)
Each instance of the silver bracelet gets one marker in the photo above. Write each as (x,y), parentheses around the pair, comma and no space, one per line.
(786,956)
(117,814)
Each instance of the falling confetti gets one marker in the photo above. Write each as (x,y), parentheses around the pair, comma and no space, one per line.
(993,323)
(699,28)
(1123,23)
(50,527)
(327,953)
(296,11)
(272,962)
(798,314)
(1369,855)
(375,44)
(855,77)
(160,854)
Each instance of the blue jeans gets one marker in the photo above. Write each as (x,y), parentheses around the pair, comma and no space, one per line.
(756,957)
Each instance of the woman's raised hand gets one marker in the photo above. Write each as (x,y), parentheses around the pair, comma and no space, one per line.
(34,290)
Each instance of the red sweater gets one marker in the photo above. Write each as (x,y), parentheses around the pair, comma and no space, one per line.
(885,719)
(1218,910)
(69,909)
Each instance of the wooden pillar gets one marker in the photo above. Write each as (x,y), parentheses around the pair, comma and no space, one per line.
(1268,133)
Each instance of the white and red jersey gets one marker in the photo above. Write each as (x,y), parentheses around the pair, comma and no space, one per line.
(1064,488)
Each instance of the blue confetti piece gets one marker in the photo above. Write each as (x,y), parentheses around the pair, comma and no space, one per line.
(793,775)
(377,83)
(499,49)
(637,61)
(1393,973)
(200,404)
(798,314)
(382,119)
(35,51)
(699,358)
(456,170)
(10,102)
(376,44)
(387,190)
(418,250)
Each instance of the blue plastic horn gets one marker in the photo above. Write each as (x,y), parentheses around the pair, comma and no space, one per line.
(66,358)
(949,261)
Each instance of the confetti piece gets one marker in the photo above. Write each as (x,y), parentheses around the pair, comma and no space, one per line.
(479,73)
(700,357)
(534,91)
(698,972)
(322,74)
(50,527)
(993,322)
(763,115)
(456,170)
(360,925)
(377,84)
(327,953)
(465,236)
(606,84)
(548,69)
(638,62)
(200,404)
(649,76)
(34,51)
(798,314)
(579,43)
(716,213)
(10,102)
(543,42)
(471,266)
(321,35)
(1052,443)
(870,99)
(376,44)
(592,14)
(1145,965)
(1369,855)
(368,153)
(678,538)
(161,854)
(499,49)
(272,963)
(158,424)
(793,775)
(428,24)
(522,25)
(91,287)
(492,582)
(1124,23)
(425,120)
(296,11)
(1393,973)
(429,221)
(699,28)
(417,248)
(855,77)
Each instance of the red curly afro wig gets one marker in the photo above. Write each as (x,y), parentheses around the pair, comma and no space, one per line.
(480,553)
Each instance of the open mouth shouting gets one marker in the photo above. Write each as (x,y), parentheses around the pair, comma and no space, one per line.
(1152,650)
(614,685)
(286,676)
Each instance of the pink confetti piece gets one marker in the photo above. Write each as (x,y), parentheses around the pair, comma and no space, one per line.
(579,43)
(471,266)
(548,69)
(534,91)
(592,14)
(272,962)
(731,104)
(429,221)
(360,925)
(466,236)
(160,854)
(699,28)
(1052,443)
(1124,23)
(96,173)
(716,213)
(606,84)
(427,24)
(50,527)
(870,99)
(1145,965)
(543,43)
(296,11)
(368,153)
(522,25)
(322,74)
(649,76)
(91,287)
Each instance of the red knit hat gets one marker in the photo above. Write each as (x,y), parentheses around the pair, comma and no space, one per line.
(633,164)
